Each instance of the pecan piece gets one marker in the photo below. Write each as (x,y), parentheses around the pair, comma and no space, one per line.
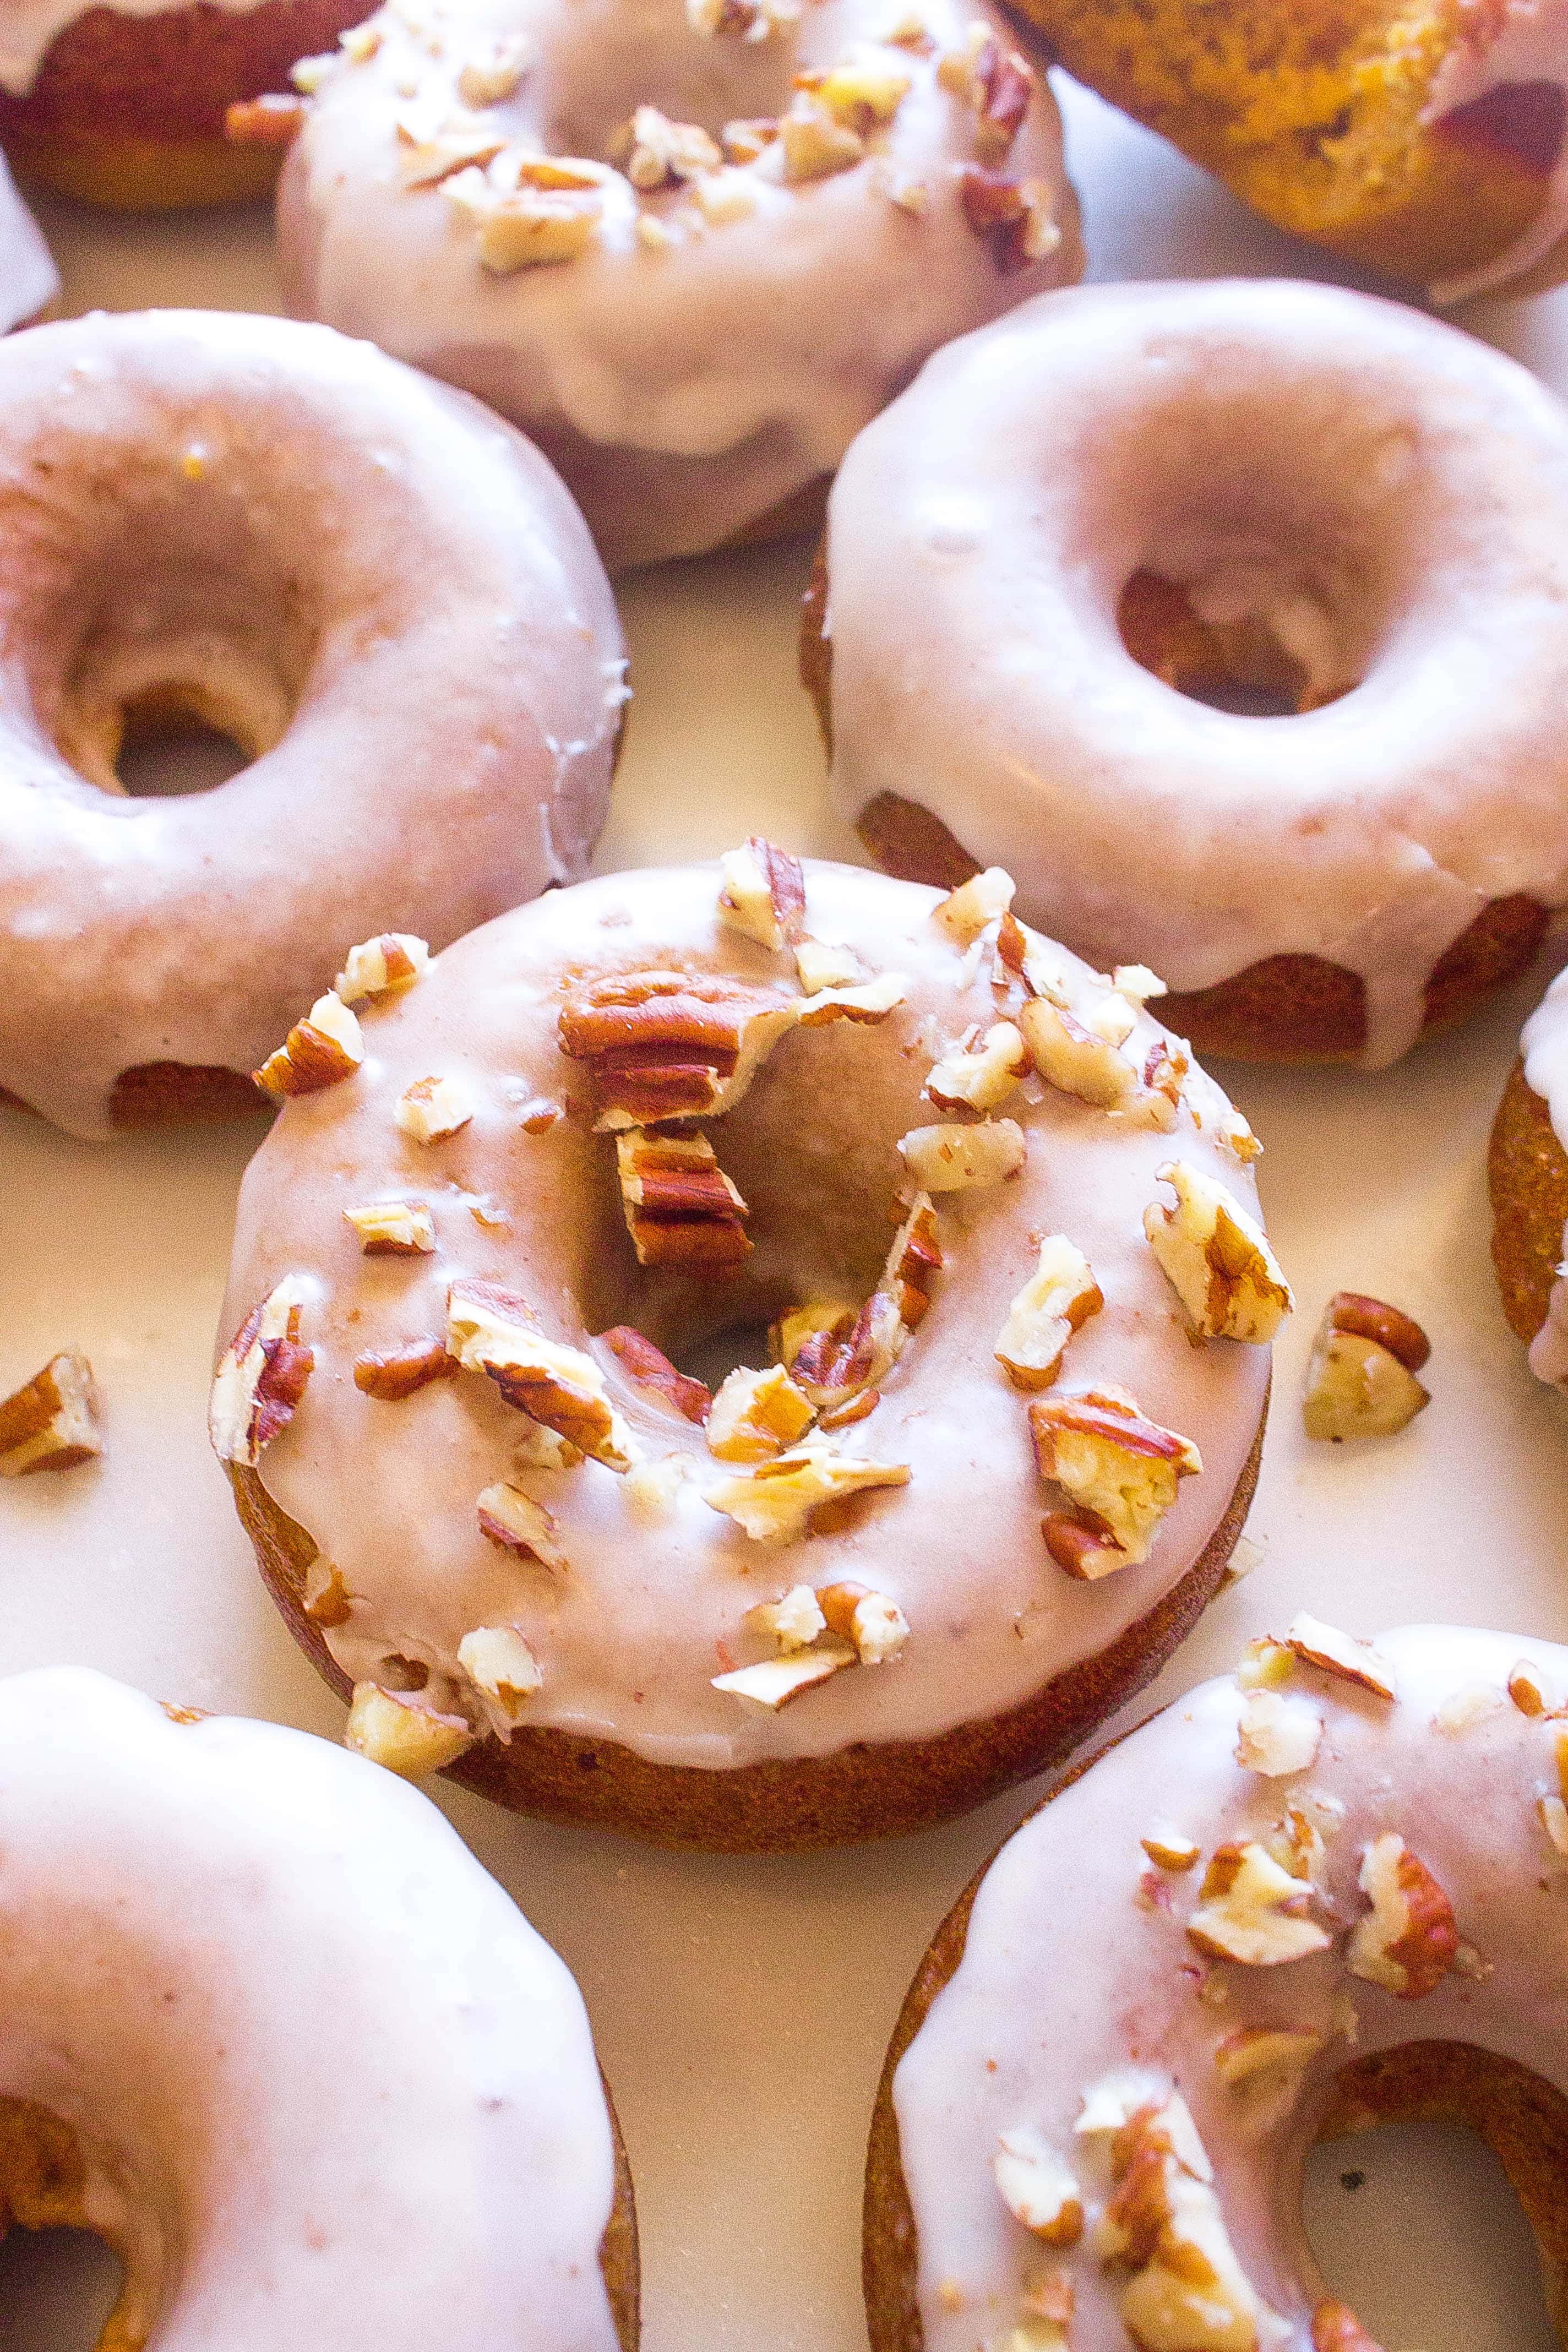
(390,1374)
(667,1044)
(319,1051)
(651,1369)
(764,894)
(1120,1470)
(51,1423)
(260,1377)
(1015,215)
(488,1330)
(680,1206)
(832,1370)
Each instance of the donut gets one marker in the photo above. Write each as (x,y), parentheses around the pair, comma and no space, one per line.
(1424,141)
(377,589)
(125,105)
(1527,1178)
(29,281)
(274,2034)
(690,247)
(1308,1898)
(1231,620)
(634,1123)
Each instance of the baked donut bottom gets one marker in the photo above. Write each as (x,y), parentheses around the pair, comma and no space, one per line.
(128,111)
(867,1791)
(1527,1177)
(1522,2118)
(43,2186)
(1286,1008)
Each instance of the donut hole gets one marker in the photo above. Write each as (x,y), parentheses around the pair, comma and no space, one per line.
(1457,2156)
(173,740)
(57,2288)
(1229,646)
(821,1212)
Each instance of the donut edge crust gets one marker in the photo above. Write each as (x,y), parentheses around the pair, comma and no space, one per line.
(1522,2118)
(1287,1008)
(1526,1179)
(864,1791)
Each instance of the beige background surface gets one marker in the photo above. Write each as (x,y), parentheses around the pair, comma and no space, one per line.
(742,2007)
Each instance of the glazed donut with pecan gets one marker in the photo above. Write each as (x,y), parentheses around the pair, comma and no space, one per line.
(379,591)
(984,1475)
(690,247)
(125,105)
(1317,1895)
(1425,140)
(28,279)
(1233,619)
(274,2036)
(1528,1174)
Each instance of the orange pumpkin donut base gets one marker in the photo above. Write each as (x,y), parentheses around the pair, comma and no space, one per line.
(1528,1177)
(972,1490)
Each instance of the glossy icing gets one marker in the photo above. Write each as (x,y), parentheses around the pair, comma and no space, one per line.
(1524,41)
(376,583)
(686,390)
(1066,1977)
(317,2061)
(29,26)
(28,279)
(1545,1046)
(653,1598)
(1389,496)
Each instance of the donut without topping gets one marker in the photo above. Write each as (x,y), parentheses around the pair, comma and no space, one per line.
(888,1496)
(1528,1176)
(274,2034)
(1181,1970)
(381,592)
(1126,521)
(695,344)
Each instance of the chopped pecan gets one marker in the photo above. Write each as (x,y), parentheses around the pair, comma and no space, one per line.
(651,1369)
(815,145)
(1003,90)
(513,1521)
(667,1044)
(51,1423)
(402,1731)
(680,1206)
(319,1051)
(274,120)
(866,1002)
(1408,1941)
(260,1377)
(756,1416)
(488,1330)
(383,967)
(393,1228)
(655,153)
(501,1666)
(1015,215)
(775,1681)
(390,1374)
(961,1159)
(1121,1471)
(980,1078)
(1216,1257)
(764,894)
(432,1109)
(773,1502)
(1057,1300)
(985,898)
(831,1370)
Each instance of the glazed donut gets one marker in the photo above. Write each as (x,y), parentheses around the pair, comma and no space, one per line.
(384,596)
(28,279)
(124,105)
(694,339)
(1196,1959)
(1425,141)
(1528,1176)
(1124,504)
(272,2033)
(498,1190)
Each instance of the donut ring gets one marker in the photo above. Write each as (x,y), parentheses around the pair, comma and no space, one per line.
(276,1918)
(1051,2061)
(1424,143)
(125,105)
(29,281)
(627,1604)
(692,341)
(1278,489)
(1527,1172)
(378,590)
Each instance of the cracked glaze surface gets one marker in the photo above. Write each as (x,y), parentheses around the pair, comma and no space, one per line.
(1389,496)
(1545,1044)
(627,1637)
(1066,1978)
(318,2062)
(375,586)
(687,391)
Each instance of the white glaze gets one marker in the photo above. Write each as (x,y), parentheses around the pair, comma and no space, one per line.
(1398,487)
(1066,1978)
(28,279)
(319,2063)
(1545,1044)
(683,392)
(1528,44)
(627,1637)
(386,585)
(29,26)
